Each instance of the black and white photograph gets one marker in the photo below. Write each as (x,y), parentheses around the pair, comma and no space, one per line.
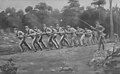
(59,36)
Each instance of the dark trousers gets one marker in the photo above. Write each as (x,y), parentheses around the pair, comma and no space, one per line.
(40,40)
(23,42)
(52,43)
(55,40)
(63,40)
(35,42)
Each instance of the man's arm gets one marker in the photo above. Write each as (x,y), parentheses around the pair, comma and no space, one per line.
(49,30)
(102,28)
(93,28)
(20,34)
(32,32)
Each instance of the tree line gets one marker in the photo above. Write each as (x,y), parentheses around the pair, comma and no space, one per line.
(71,14)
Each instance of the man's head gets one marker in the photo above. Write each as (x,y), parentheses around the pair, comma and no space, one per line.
(44,25)
(86,29)
(35,28)
(27,28)
(97,23)
(15,30)
(51,27)
(57,25)
(68,26)
(78,28)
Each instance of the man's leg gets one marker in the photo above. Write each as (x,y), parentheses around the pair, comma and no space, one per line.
(102,44)
(50,43)
(99,45)
(55,44)
(75,41)
(72,41)
(44,45)
(20,46)
(66,41)
(86,41)
(27,45)
(81,39)
(90,40)
(41,41)
(33,44)
(61,41)
(78,40)
(38,45)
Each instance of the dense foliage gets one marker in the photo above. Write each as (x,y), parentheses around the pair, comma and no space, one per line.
(71,14)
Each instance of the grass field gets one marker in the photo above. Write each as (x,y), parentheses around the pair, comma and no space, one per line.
(49,62)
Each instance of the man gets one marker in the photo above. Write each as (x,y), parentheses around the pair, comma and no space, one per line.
(63,39)
(88,36)
(37,37)
(29,31)
(47,30)
(59,29)
(40,37)
(79,34)
(21,36)
(101,41)
(95,35)
(54,36)
(34,36)
(73,35)
(99,28)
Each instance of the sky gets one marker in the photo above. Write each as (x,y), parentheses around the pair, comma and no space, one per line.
(59,4)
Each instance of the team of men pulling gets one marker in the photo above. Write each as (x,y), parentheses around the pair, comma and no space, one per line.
(78,37)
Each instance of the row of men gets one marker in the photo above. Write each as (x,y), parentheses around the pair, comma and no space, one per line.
(79,34)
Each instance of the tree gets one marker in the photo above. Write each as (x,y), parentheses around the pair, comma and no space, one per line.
(28,9)
(111,19)
(3,20)
(30,18)
(90,15)
(12,18)
(71,12)
(116,19)
(99,4)
(74,3)
(54,18)
(44,12)
(10,11)
(20,13)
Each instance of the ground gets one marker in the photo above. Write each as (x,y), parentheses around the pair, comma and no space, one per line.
(49,62)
